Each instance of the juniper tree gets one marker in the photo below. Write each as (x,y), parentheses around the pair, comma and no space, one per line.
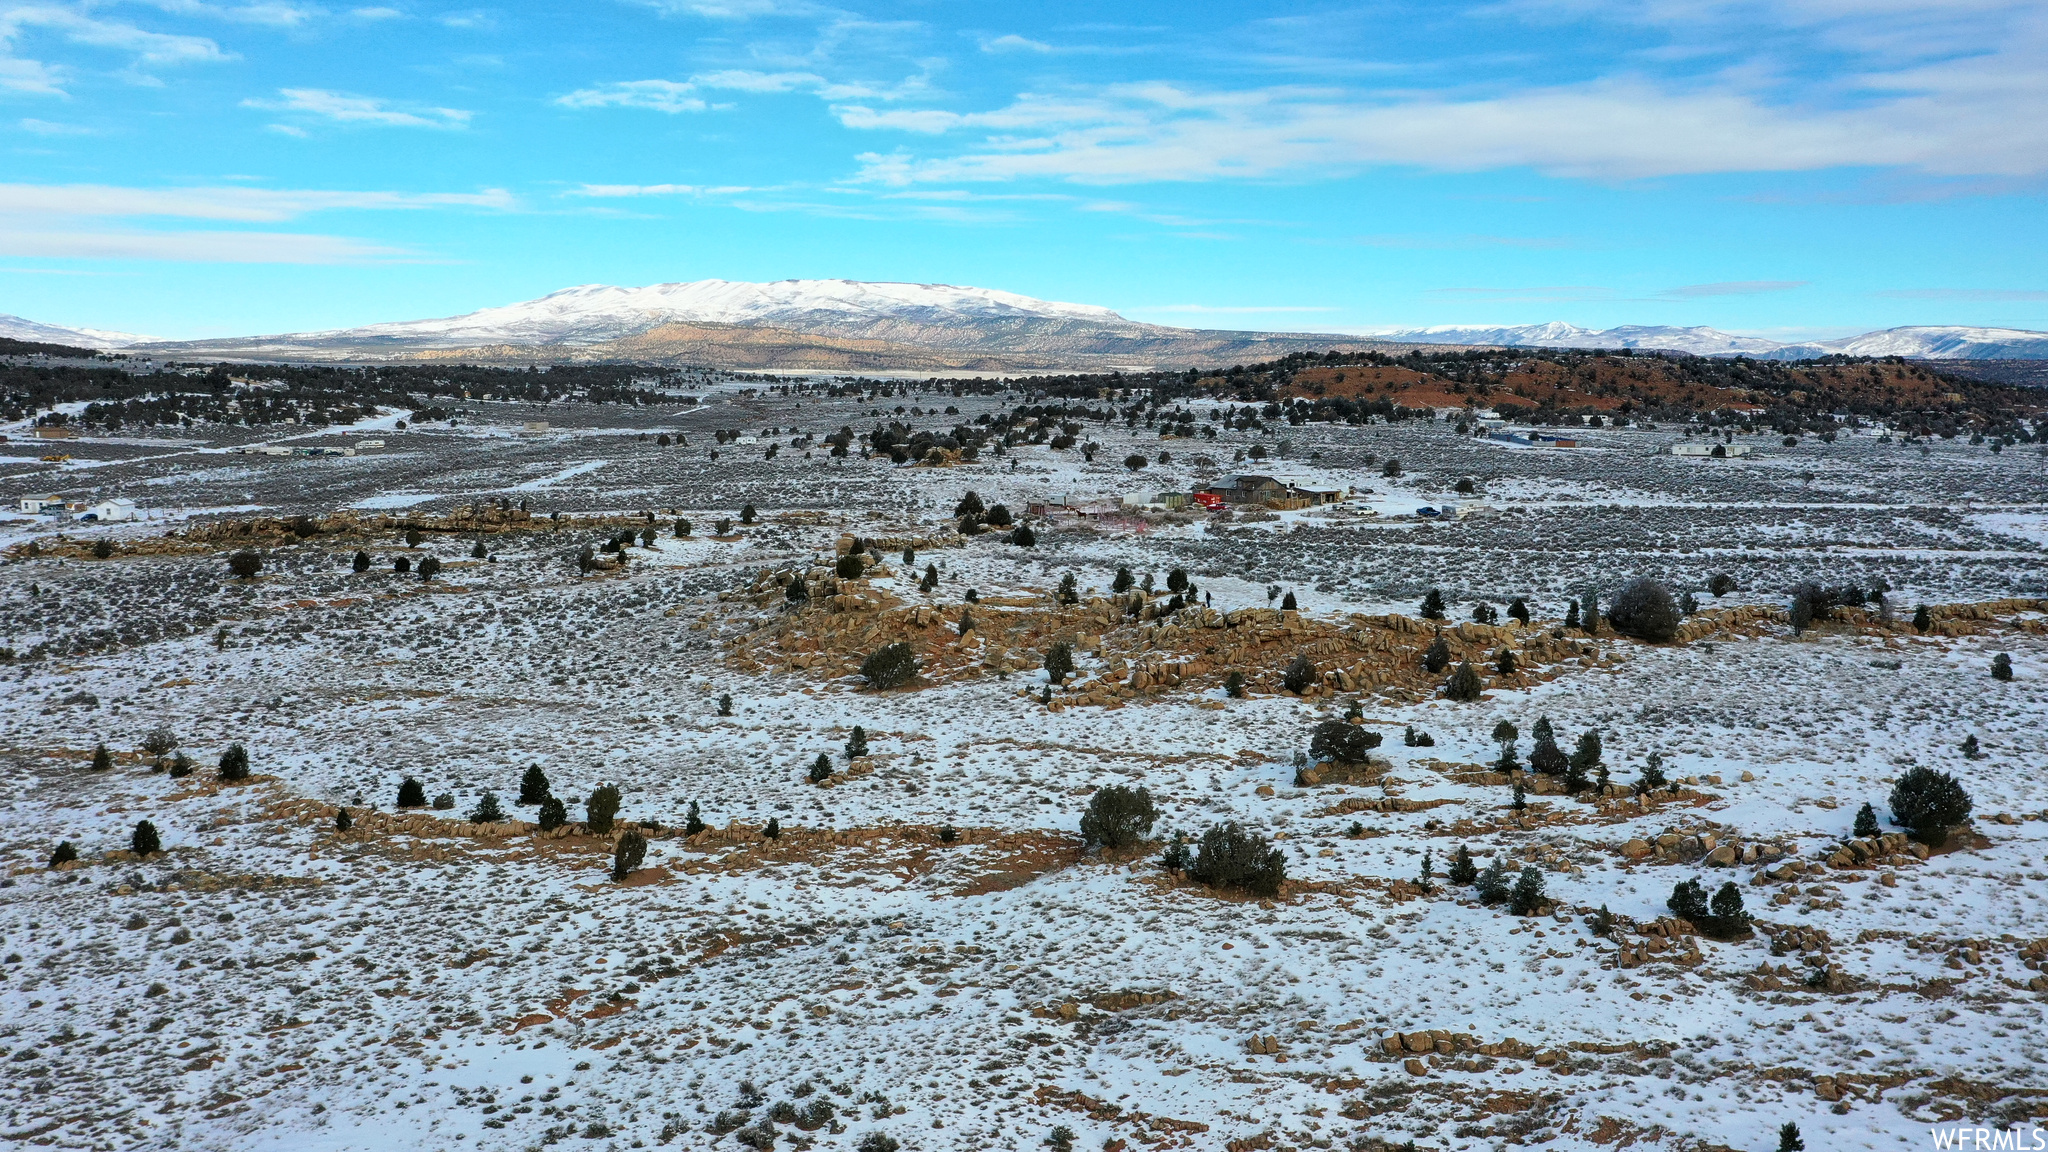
(747,514)
(553,814)
(1929,803)
(1438,657)
(1725,914)
(1518,801)
(628,856)
(1505,662)
(2001,666)
(1433,605)
(1464,683)
(1653,772)
(1287,602)
(821,769)
(1788,1138)
(857,743)
(430,566)
(891,666)
(533,786)
(682,529)
(1644,609)
(487,810)
(362,561)
(1688,901)
(1721,585)
(966,621)
(234,764)
(1229,856)
(1491,885)
(849,566)
(65,853)
(694,822)
(1233,685)
(1059,662)
(413,537)
(1426,879)
(1123,582)
(1970,746)
(102,760)
(1343,742)
(1298,675)
(1589,612)
(1117,816)
(1519,610)
(725,704)
(1069,590)
(797,591)
(602,808)
(411,793)
(1571,615)
(1024,537)
(342,820)
(1586,757)
(1462,869)
(1528,896)
(245,564)
(145,842)
(477,552)
(1546,757)
(773,829)
(1922,619)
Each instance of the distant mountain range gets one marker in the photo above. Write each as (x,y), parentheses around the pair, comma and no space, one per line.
(1917,342)
(850,325)
(16,328)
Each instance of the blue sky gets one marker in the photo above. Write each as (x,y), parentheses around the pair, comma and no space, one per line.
(1798,168)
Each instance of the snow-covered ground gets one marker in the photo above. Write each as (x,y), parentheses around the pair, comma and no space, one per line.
(266,983)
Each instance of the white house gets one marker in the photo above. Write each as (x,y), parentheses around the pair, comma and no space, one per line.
(37,505)
(119,508)
(1685,449)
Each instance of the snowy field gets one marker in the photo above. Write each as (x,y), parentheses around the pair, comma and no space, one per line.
(266,982)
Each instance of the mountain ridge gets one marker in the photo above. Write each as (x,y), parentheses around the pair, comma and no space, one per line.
(915,325)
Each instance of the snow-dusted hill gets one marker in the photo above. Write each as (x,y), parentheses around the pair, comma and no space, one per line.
(590,313)
(1698,341)
(1920,342)
(1021,331)
(16,328)
(1929,343)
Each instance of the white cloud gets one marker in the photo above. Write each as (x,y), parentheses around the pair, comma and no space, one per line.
(660,95)
(732,9)
(345,108)
(144,49)
(47,128)
(1618,129)
(624,191)
(202,247)
(1732,288)
(1014,43)
(106,222)
(251,205)
(376,13)
(683,95)
(275,15)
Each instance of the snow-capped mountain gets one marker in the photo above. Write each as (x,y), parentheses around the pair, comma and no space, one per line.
(1929,343)
(594,313)
(960,326)
(1923,343)
(16,328)
(1698,341)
